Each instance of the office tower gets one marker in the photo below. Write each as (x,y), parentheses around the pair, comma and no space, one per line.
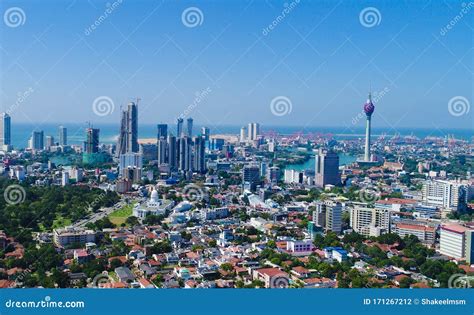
(5,131)
(254,131)
(273,174)
(328,214)
(319,214)
(162,131)
(243,131)
(132,127)
(92,140)
(179,127)
(327,168)
(65,178)
(369,110)
(206,133)
(62,135)
(447,195)
(184,154)
(199,154)
(162,148)
(128,135)
(172,150)
(37,140)
(370,221)
(251,177)
(190,128)
(49,142)
(130,161)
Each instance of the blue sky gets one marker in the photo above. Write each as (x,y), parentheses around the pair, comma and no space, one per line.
(319,56)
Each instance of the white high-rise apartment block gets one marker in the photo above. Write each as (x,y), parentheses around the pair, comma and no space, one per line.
(447,195)
(457,241)
(254,131)
(370,221)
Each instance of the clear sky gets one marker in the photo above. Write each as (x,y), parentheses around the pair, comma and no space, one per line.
(323,56)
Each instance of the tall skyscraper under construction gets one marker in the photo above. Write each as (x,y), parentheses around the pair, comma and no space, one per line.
(128,136)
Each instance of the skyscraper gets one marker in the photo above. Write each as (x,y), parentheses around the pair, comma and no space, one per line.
(172,152)
(162,131)
(92,140)
(327,168)
(49,142)
(199,154)
(190,128)
(162,148)
(184,154)
(62,135)
(132,127)
(37,140)
(179,127)
(243,131)
(369,110)
(128,135)
(254,131)
(5,130)
(205,133)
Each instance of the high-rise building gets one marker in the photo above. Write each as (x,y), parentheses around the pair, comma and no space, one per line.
(128,135)
(129,161)
(49,142)
(62,135)
(273,174)
(91,145)
(199,154)
(172,153)
(369,110)
(447,195)
(190,128)
(243,131)
(457,241)
(37,140)
(370,221)
(162,151)
(206,133)
(5,131)
(184,154)
(179,127)
(327,168)
(251,177)
(328,214)
(253,131)
(162,131)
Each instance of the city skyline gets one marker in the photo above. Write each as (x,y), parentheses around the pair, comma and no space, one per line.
(200,71)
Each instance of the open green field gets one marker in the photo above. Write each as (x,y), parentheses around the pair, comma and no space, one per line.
(119,216)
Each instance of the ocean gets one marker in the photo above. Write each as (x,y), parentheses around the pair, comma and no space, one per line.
(21,132)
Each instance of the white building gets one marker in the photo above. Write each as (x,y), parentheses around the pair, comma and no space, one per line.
(448,195)
(153,206)
(370,221)
(65,236)
(457,241)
